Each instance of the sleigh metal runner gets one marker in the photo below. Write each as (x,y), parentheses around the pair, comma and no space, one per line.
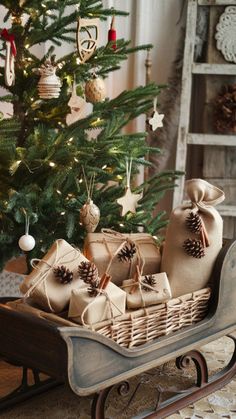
(75,360)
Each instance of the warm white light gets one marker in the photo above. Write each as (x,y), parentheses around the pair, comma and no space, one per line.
(76,160)
(63,213)
(59,192)
(27,46)
(52,164)
(78,60)
(121,225)
(104,167)
(81,180)
(71,139)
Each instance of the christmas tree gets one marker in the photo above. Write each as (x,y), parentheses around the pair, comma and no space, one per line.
(49,164)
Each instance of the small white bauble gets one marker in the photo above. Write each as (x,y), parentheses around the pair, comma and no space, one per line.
(26,242)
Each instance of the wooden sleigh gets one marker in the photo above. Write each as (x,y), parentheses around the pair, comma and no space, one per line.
(94,364)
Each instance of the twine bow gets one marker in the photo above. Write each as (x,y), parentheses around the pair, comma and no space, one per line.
(111,304)
(41,278)
(138,282)
(116,236)
(9,38)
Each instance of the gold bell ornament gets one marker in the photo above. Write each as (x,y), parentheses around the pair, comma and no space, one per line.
(89,213)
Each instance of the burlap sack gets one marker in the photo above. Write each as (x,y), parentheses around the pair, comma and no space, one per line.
(86,310)
(101,248)
(43,287)
(187,273)
(140,294)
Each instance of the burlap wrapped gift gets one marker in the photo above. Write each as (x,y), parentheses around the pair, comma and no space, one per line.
(108,303)
(187,273)
(103,248)
(43,287)
(147,290)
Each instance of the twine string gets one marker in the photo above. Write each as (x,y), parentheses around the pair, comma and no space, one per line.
(41,278)
(110,303)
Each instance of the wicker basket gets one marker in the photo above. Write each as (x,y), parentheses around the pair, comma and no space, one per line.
(143,325)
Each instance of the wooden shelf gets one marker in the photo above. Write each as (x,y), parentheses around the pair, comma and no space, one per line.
(214,69)
(227,210)
(217,2)
(212,139)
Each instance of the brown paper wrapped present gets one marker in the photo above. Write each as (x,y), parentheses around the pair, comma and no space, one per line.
(108,303)
(147,290)
(105,250)
(43,287)
(193,238)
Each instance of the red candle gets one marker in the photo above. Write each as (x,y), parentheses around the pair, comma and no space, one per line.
(112,33)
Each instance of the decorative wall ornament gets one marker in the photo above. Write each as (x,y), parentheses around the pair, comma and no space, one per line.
(226,34)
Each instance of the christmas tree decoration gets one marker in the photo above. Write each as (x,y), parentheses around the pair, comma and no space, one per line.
(225,110)
(93,288)
(194,248)
(194,222)
(89,213)
(88,272)
(49,85)
(43,148)
(87,38)
(95,90)
(112,33)
(63,274)
(130,200)
(26,242)
(127,252)
(149,280)
(78,107)
(10,57)
(156,120)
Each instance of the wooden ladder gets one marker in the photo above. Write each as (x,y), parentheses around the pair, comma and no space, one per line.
(209,74)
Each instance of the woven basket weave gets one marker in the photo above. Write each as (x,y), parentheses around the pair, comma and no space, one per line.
(143,325)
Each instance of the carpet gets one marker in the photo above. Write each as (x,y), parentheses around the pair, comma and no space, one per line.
(61,403)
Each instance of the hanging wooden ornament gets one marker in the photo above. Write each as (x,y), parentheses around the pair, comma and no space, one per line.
(156,120)
(26,242)
(49,85)
(87,37)
(129,201)
(89,213)
(9,72)
(95,90)
(78,106)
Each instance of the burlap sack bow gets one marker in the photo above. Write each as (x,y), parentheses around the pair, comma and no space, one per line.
(41,278)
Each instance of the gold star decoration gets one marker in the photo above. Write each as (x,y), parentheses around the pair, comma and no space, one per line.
(129,201)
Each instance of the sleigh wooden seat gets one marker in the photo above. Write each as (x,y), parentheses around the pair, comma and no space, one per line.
(92,364)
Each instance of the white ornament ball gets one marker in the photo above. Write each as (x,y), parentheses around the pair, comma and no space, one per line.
(26,242)
(95,90)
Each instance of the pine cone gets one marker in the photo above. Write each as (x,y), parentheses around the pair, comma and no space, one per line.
(88,272)
(127,252)
(149,280)
(194,222)
(63,274)
(93,289)
(194,248)
(225,110)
